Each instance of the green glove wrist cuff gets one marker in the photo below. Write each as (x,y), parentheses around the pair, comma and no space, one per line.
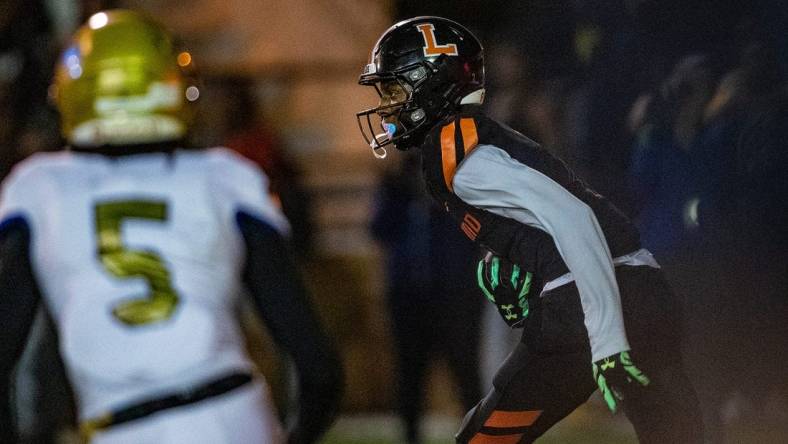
(619,370)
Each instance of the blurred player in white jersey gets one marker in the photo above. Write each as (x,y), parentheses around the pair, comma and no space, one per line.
(138,249)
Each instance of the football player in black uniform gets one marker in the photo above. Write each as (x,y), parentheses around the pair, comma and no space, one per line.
(604,318)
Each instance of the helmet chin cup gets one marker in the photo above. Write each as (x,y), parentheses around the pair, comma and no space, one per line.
(379,153)
(383,139)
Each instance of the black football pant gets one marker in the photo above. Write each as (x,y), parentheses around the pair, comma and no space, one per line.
(549,374)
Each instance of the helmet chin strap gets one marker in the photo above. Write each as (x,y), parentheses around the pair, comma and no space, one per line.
(377,150)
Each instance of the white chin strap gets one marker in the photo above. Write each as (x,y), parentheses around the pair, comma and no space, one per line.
(377,150)
(379,153)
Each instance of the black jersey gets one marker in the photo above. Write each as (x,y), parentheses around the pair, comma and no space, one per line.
(446,147)
(512,196)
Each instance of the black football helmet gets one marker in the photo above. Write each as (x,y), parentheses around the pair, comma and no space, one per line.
(434,65)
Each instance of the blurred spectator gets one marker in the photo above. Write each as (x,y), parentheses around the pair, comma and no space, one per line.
(523,98)
(662,173)
(27,54)
(27,125)
(665,186)
(758,183)
(251,135)
(761,217)
(432,296)
(637,42)
(610,82)
(726,339)
(755,80)
(507,84)
(762,179)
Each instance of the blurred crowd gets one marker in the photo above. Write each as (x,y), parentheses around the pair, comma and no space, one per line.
(677,110)
(27,49)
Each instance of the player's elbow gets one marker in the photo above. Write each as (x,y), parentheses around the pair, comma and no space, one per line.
(580,214)
(579,210)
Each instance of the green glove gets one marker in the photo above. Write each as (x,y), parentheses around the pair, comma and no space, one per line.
(505,285)
(615,374)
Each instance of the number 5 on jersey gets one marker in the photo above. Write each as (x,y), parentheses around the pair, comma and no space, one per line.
(123,263)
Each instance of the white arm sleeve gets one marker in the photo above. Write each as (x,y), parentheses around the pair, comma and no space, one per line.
(492,180)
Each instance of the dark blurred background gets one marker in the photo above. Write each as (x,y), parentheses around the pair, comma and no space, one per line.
(675,109)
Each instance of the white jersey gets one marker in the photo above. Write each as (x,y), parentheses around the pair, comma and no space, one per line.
(138,259)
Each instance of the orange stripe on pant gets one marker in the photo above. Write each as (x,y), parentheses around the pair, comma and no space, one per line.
(483,438)
(504,419)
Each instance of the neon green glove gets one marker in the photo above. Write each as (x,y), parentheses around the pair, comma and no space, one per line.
(505,285)
(615,374)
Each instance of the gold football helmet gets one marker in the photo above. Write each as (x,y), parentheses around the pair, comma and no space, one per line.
(121,82)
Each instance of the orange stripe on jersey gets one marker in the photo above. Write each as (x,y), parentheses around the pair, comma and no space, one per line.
(449,156)
(470,138)
(483,438)
(504,419)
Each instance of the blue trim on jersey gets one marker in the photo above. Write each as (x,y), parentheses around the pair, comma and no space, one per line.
(12,222)
(241,216)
